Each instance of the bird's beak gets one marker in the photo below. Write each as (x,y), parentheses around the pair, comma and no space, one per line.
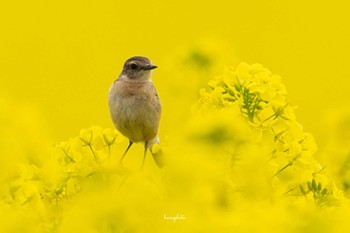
(149,67)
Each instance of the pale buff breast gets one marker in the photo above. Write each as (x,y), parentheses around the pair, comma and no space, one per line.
(135,109)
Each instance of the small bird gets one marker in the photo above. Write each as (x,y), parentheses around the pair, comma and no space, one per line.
(134,105)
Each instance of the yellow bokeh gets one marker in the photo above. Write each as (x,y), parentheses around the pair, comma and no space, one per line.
(59,58)
(62,56)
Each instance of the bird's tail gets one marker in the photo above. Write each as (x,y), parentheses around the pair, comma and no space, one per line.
(158,155)
(156,151)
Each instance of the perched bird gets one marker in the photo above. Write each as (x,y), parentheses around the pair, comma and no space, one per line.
(134,105)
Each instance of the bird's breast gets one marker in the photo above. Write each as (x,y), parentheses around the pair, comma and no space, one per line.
(135,109)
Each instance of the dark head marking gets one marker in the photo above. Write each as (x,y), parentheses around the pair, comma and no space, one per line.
(135,67)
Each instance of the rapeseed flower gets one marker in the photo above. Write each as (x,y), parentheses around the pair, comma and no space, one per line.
(241,153)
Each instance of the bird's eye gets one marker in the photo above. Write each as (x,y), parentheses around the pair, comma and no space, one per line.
(133,66)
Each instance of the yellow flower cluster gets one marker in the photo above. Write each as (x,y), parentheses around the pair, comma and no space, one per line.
(36,194)
(239,155)
(262,99)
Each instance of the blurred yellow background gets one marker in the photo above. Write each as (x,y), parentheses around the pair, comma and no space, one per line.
(58,60)
(60,57)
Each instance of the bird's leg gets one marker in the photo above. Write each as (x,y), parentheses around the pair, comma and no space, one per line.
(144,154)
(126,151)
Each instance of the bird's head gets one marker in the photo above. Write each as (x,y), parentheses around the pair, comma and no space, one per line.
(137,69)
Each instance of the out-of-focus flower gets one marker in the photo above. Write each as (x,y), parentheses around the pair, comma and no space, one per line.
(240,153)
(262,99)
